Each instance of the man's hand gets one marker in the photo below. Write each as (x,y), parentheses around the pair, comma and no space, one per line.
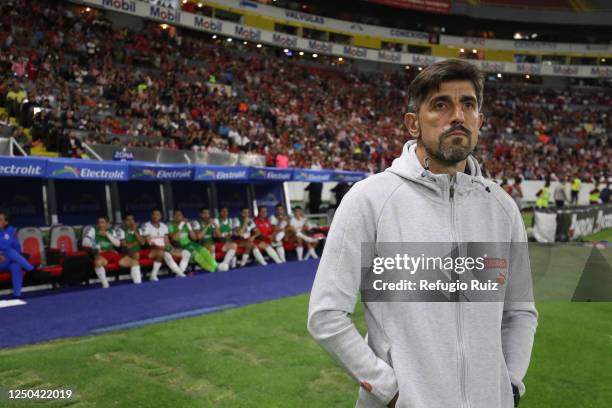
(393,401)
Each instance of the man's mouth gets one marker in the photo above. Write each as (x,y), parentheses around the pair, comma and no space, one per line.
(457,133)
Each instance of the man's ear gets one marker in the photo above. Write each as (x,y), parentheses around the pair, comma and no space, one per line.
(480,120)
(411,121)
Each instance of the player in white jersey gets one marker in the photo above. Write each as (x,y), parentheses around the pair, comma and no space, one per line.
(156,234)
(246,230)
(279,222)
(298,226)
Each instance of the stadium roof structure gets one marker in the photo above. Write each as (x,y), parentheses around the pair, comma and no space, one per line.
(258,26)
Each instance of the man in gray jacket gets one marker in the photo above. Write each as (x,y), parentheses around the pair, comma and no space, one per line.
(428,354)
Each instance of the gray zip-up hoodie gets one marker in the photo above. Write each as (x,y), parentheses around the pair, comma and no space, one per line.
(437,355)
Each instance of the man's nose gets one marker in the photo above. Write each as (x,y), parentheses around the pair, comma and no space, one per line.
(458,116)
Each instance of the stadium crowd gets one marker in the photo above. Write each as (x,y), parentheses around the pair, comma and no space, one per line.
(70,78)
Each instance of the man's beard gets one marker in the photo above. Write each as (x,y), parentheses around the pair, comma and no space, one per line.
(448,154)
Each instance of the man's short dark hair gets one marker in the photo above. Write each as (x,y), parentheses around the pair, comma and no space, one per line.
(103,217)
(434,75)
(204,208)
(127,215)
(6,215)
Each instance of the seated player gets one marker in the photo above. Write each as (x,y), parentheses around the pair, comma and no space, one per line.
(103,241)
(298,227)
(208,234)
(246,230)
(135,243)
(10,254)
(204,229)
(181,232)
(263,239)
(132,242)
(279,222)
(223,236)
(156,234)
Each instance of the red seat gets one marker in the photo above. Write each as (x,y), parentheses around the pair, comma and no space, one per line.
(5,277)
(55,270)
(113,267)
(290,245)
(63,235)
(146,262)
(32,246)
(31,242)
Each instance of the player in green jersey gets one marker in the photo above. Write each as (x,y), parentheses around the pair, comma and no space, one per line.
(104,242)
(208,231)
(181,232)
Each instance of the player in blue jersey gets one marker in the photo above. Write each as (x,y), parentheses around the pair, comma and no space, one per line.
(10,254)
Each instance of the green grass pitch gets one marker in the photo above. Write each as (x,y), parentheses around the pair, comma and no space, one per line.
(262,356)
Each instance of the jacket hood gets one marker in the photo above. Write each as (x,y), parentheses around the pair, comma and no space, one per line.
(409,167)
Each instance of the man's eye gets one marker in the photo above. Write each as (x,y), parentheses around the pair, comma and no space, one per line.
(469,105)
(439,105)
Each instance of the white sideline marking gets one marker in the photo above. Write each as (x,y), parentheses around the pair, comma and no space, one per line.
(10,303)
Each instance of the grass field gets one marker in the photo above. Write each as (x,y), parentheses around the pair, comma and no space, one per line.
(262,356)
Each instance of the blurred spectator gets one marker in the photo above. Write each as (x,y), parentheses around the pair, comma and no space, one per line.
(560,196)
(314,197)
(64,71)
(6,129)
(605,194)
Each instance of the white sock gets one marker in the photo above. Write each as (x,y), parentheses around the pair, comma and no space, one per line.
(101,272)
(281,253)
(259,257)
(313,253)
(234,262)
(172,264)
(272,254)
(136,275)
(245,259)
(300,252)
(155,270)
(229,256)
(185,257)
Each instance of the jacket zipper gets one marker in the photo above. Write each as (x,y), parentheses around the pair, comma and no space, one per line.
(462,372)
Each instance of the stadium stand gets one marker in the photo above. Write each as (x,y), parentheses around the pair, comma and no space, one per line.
(533,5)
(149,89)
